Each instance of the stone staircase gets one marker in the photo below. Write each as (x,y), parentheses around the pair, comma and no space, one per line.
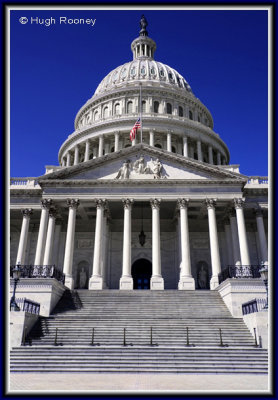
(140,331)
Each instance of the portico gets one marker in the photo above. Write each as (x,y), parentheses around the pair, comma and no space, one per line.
(186,231)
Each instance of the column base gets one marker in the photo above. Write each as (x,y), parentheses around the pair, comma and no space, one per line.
(186,283)
(126,283)
(96,283)
(69,282)
(157,283)
(214,282)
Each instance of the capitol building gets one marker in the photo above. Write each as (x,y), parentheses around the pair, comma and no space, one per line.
(163,212)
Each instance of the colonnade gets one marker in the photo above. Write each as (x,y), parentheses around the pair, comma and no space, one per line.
(235,234)
(189,147)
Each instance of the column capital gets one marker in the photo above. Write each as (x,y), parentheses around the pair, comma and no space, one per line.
(46,203)
(210,203)
(127,203)
(155,204)
(239,203)
(182,203)
(27,212)
(100,203)
(53,213)
(73,203)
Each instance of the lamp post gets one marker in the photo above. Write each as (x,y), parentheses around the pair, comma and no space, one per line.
(16,276)
(264,274)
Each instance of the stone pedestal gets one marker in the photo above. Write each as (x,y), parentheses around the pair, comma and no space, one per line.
(186,283)
(69,282)
(96,283)
(214,282)
(126,283)
(157,283)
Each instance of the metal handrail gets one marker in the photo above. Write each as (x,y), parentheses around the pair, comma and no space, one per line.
(39,271)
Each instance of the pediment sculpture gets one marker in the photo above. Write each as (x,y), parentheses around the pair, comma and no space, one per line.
(141,167)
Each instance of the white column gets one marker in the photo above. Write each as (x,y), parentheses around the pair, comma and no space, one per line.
(76,155)
(228,239)
(235,240)
(157,282)
(218,158)
(199,151)
(56,245)
(185,147)
(100,146)
(243,245)
(46,204)
(94,152)
(104,248)
(63,162)
(262,236)
(152,138)
(186,281)
(126,281)
(169,141)
(214,247)
(87,151)
(68,259)
(106,148)
(27,212)
(116,145)
(210,155)
(68,159)
(96,280)
(48,256)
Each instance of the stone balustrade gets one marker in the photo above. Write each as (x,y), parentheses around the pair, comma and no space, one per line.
(25,182)
(258,180)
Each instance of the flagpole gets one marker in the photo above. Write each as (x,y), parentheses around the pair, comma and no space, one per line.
(141,112)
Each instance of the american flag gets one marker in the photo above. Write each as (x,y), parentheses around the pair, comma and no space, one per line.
(133,131)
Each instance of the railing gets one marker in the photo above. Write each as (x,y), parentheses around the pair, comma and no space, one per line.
(257,180)
(27,182)
(28,305)
(253,306)
(39,271)
(241,271)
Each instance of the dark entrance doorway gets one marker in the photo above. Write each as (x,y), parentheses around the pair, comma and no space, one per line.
(141,273)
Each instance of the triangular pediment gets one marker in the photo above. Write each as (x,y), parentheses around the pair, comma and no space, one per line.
(143,162)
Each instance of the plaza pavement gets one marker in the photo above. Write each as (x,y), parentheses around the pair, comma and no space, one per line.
(113,382)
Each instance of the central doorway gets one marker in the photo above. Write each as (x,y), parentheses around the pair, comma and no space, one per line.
(141,273)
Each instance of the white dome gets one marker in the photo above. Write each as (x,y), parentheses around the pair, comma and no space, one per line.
(143,69)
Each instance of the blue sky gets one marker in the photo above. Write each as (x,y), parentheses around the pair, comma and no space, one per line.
(56,69)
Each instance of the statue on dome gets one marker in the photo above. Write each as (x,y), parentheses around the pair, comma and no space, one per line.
(124,171)
(139,166)
(143,25)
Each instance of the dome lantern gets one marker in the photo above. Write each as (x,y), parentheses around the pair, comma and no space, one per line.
(143,47)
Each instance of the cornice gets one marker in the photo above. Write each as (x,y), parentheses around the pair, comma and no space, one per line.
(198,165)
(140,182)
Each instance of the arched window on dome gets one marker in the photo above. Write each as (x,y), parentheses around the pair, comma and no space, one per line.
(174,149)
(190,114)
(156,106)
(117,109)
(112,149)
(96,116)
(144,106)
(91,156)
(158,146)
(199,117)
(169,108)
(180,111)
(129,107)
(127,145)
(105,112)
